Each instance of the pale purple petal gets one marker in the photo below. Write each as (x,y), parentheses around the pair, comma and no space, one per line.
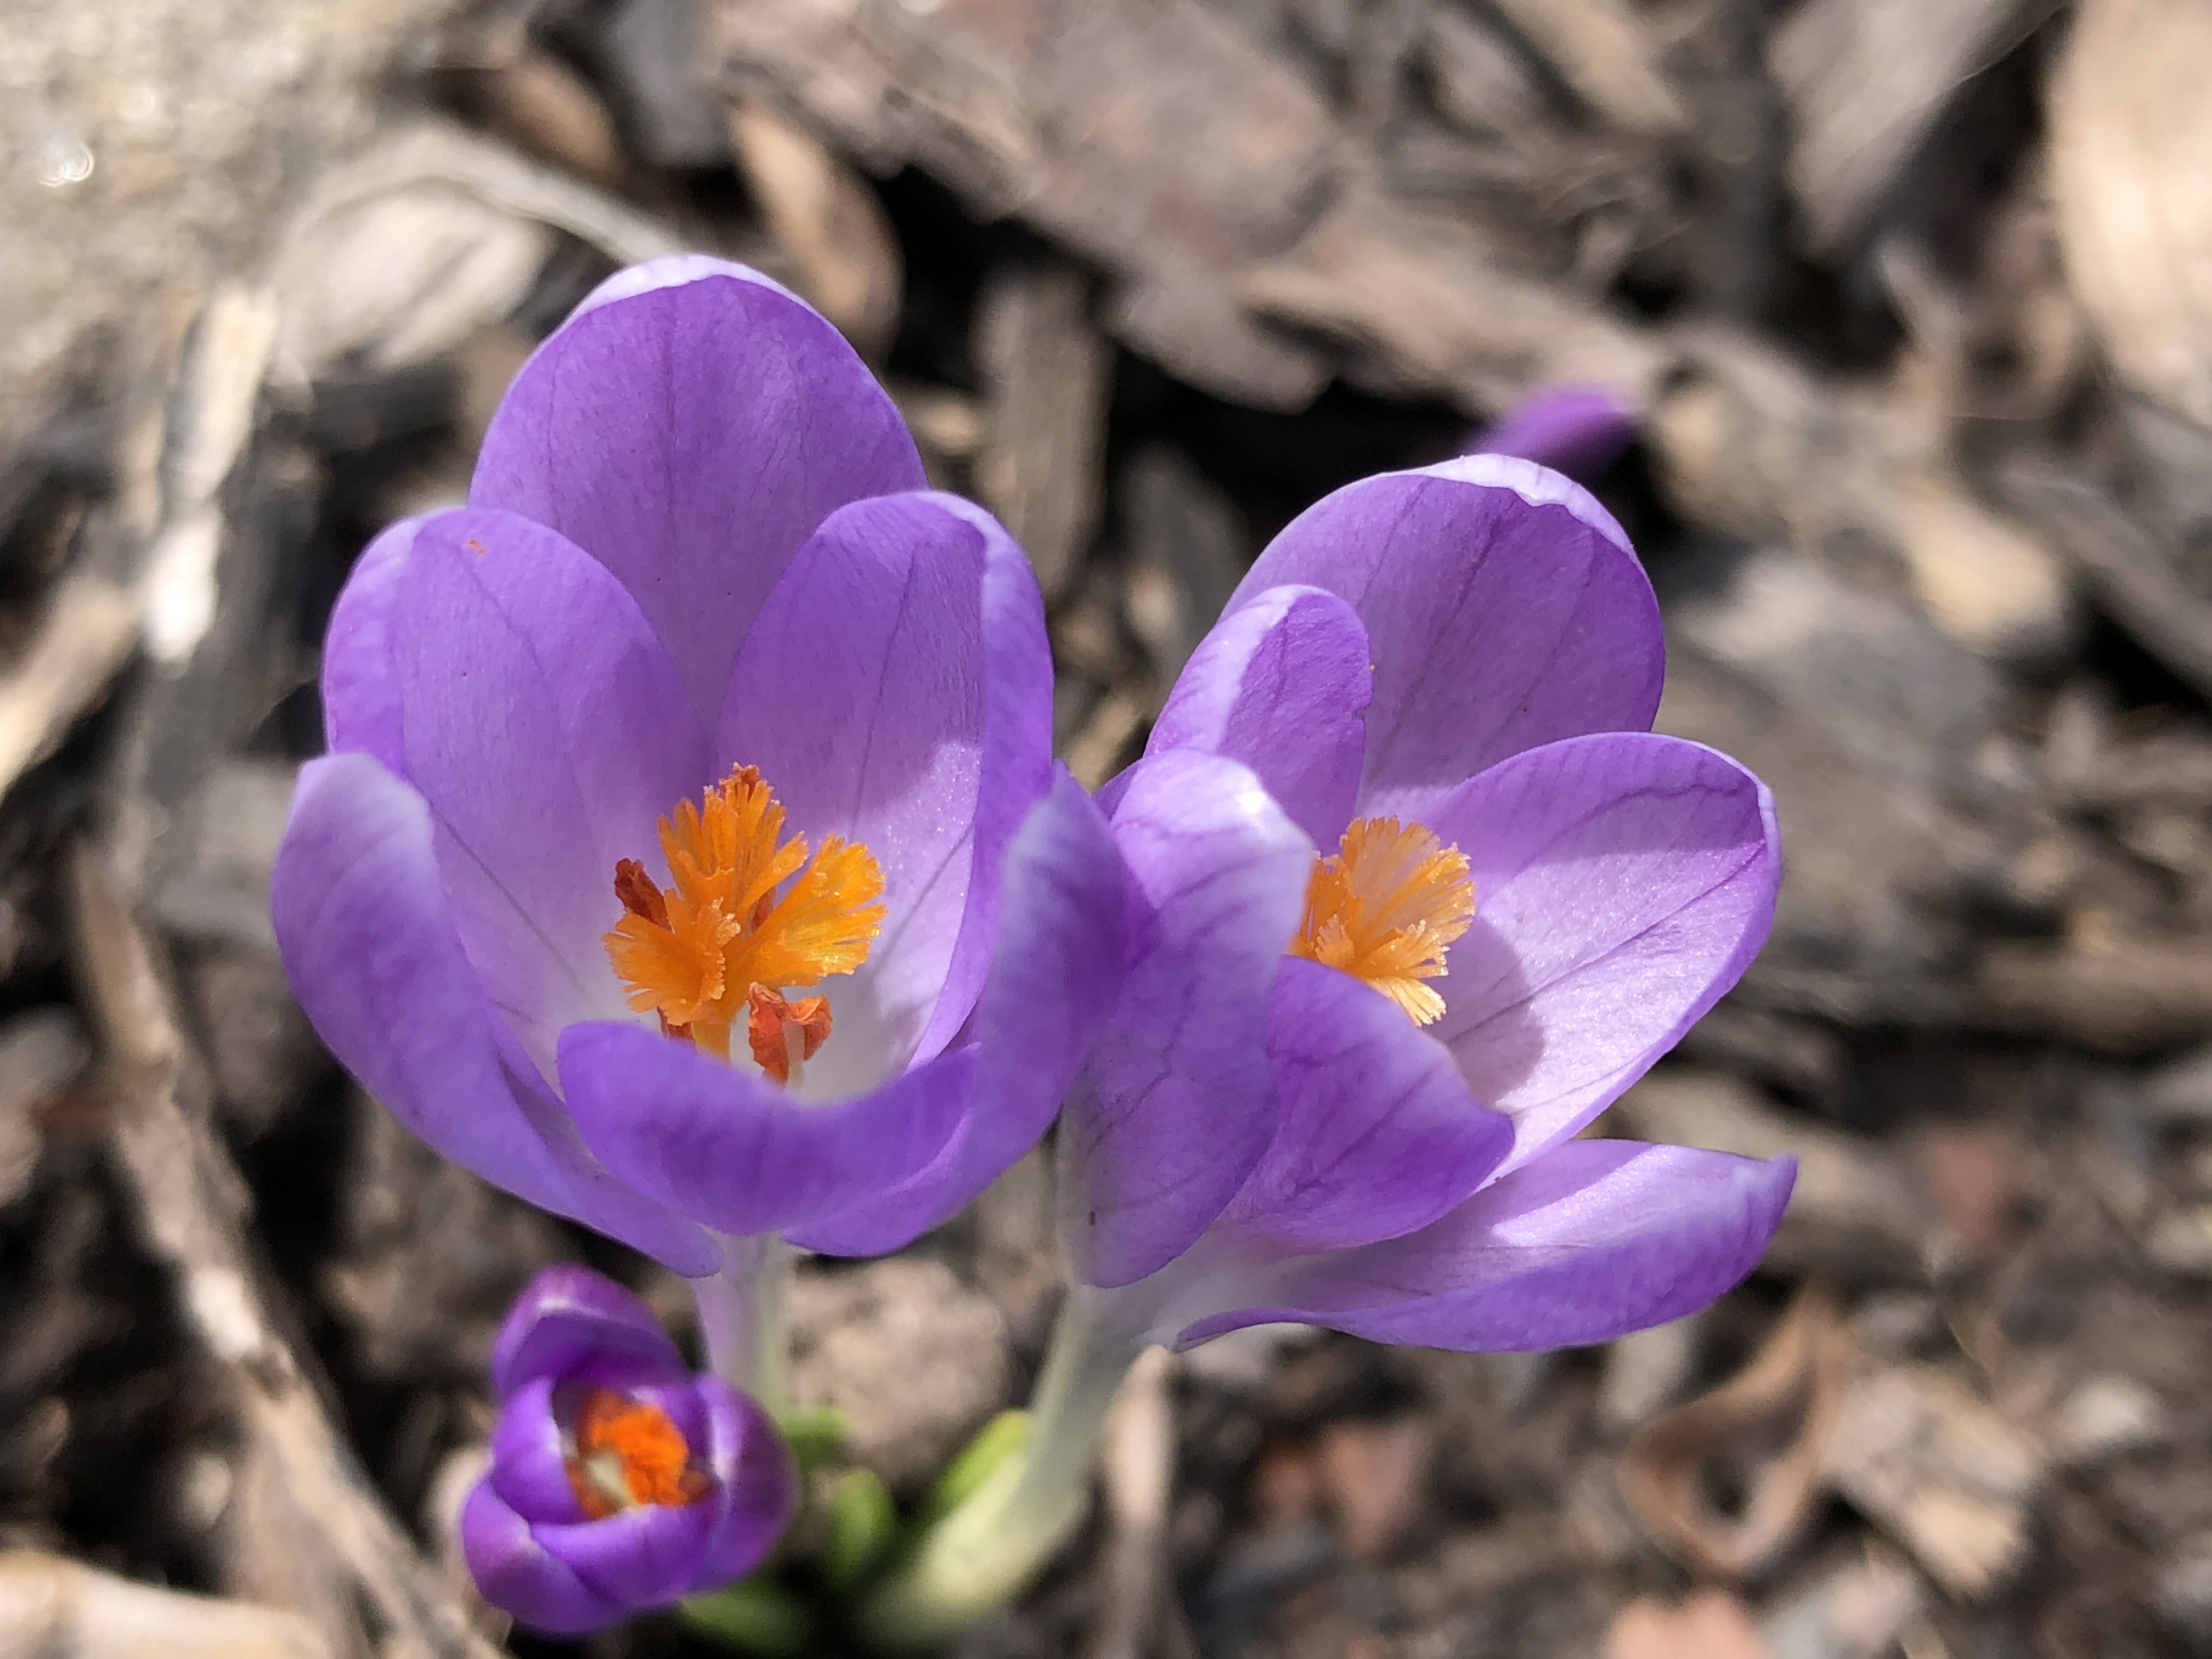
(569,1313)
(603,1202)
(546,728)
(517,1574)
(1176,1105)
(529,1464)
(1378,1134)
(370,944)
(1579,430)
(639,1558)
(689,426)
(1595,1240)
(898,691)
(1623,882)
(1055,969)
(1279,685)
(756,1483)
(1504,608)
(361,695)
(733,1151)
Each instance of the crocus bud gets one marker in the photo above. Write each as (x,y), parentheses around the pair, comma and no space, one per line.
(620,1480)
(1579,430)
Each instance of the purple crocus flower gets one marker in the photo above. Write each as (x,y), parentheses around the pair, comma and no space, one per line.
(1415,755)
(1414,893)
(1579,430)
(620,1481)
(687,860)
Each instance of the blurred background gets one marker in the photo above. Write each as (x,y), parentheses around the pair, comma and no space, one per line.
(1911,302)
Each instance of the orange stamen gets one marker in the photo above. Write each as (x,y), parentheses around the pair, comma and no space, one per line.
(785,1035)
(1385,908)
(744,911)
(630,1454)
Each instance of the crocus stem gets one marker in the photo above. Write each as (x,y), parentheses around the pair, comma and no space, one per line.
(742,1315)
(1000,1536)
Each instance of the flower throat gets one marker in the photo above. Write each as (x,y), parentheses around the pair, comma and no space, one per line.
(720,944)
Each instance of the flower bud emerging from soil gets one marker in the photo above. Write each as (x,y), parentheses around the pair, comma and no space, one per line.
(620,1481)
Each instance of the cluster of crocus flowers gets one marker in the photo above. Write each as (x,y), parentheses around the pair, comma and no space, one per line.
(689,861)
(620,1481)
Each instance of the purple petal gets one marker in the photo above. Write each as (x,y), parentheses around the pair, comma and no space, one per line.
(361,693)
(1056,969)
(1176,1105)
(898,691)
(603,1202)
(1595,1240)
(734,1153)
(546,728)
(369,943)
(1279,685)
(1378,1134)
(639,1558)
(678,1400)
(1503,607)
(1623,882)
(1579,430)
(567,1314)
(689,426)
(529,1464)
(520,1576)
(756,1484)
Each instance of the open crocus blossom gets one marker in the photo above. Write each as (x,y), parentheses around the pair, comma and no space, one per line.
(687,860)
(620,1481)
(1414,894)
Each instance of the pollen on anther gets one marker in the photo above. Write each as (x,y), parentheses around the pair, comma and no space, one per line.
(745,907)
(1385,908)
(628,1454)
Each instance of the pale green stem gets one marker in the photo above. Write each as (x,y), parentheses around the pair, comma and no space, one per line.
(744,1320)
(987,1550)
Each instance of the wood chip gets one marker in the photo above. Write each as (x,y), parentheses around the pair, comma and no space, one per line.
(1155,139)
(1049,373)
(1769,1424)
(1867,80)
(1603,50)
(845,261)
(1951,1479)
(1374,1477)
(428,237)
(1711,1625)
(88,632)
(2131,133)
(2115,993)
(54,1608)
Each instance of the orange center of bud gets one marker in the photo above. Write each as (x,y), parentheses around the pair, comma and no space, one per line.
(630,1454)
(720,943)
(1385,906)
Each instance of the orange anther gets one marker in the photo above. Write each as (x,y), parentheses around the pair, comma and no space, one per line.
(628,1454)
(1385,906)
(638,894)
(784,1033)
(744,907)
